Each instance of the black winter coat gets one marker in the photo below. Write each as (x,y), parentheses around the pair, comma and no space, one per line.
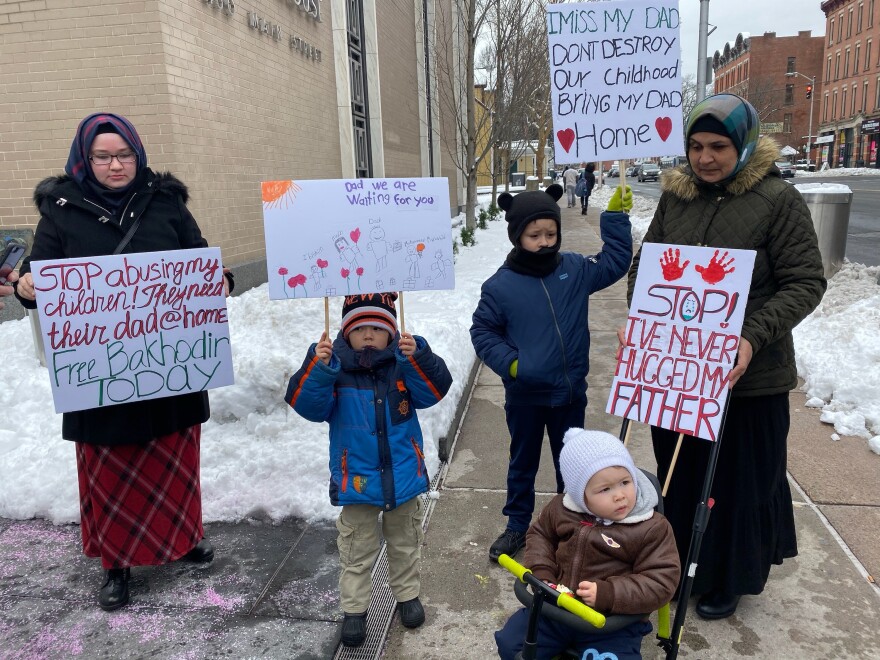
(73,226)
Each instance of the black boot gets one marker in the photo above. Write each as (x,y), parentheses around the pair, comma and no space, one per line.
(114,592)
(717,605)
(203,553)
(412,614)
(583,210)
(354,630)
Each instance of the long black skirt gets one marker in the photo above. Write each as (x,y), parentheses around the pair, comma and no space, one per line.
(751,525)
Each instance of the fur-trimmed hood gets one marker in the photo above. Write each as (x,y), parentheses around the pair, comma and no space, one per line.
(59,186)
(682,182)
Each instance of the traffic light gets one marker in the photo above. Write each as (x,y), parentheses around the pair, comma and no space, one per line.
(809,92)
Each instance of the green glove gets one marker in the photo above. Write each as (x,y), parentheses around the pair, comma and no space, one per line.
(512,369)
(618,204)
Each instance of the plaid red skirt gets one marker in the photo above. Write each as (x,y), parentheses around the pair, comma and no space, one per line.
(141,505)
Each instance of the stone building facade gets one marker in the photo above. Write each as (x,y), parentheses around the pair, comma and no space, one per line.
(226,94)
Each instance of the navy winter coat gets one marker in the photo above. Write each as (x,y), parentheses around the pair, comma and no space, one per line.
(376,450)
(542,321)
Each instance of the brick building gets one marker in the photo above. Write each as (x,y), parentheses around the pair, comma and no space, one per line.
(226,94)
(756,68)
(849,125)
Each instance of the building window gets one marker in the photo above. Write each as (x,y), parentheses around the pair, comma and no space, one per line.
(834,106)
(870,13)
(861,14)
(852,108)
(786,123)
(358,76)
(831,33)
(868,55)
(789,68)
(846,64)
(825,109)
(836,66)
(856,59)
(789,94)
(828,70)
(849,22)
(840,27)
(877,99)
(865,97)
(843,103)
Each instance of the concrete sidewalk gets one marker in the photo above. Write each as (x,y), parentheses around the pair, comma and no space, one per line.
(271,591)
(818,605)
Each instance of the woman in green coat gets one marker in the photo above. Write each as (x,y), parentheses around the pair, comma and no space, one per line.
(731,195)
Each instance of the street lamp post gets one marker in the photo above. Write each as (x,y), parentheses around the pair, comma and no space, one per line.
(812,80)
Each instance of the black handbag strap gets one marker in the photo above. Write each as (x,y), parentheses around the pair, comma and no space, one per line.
(128,236)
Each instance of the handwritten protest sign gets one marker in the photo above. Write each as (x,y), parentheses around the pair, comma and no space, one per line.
(615,79)
(682,336)
(137,326)
(336,237)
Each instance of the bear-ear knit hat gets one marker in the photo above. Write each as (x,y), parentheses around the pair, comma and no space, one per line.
(376,309)
(584,454)
(520,210)
(731,116)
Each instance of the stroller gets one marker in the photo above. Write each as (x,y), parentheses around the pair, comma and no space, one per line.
(544,600)
(668,640)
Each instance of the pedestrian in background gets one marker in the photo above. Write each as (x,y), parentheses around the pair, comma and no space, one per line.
(586,183)
(137,463)
(368,384)
(530,327)
(730,195)
(570,179)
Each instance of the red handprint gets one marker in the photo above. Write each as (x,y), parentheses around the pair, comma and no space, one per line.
(669,263)
(717,268)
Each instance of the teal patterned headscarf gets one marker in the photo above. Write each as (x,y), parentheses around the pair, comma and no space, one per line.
(738,118)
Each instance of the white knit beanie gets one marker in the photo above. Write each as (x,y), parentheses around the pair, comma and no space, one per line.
(584,454)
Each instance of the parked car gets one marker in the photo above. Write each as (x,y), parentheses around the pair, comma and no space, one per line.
(805,165)
(631,171)
(785,169)
(614,171)
(647,172)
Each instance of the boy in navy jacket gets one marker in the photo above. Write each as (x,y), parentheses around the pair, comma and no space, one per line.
(367,385)
(530,327)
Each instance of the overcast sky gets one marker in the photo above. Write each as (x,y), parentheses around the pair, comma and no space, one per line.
(785,17)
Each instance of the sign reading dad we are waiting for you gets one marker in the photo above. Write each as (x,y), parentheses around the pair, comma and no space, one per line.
(123,328)
(615,79)
(682,337)
(335,237)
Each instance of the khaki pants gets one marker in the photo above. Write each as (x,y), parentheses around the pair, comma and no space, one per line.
(359,542)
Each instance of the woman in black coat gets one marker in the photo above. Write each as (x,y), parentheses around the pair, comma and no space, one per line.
(137,463)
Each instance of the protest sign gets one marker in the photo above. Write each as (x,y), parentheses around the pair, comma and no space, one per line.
(122,328)
(615,79)
(337,237)
(681,337)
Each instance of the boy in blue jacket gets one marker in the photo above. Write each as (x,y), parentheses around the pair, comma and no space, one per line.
(367,385)
(530,327)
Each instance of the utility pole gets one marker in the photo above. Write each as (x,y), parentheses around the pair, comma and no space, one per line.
(811,92)
(701,47)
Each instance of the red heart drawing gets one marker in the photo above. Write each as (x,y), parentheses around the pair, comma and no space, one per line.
(566,138)
(664,127)
(344,272)
(322,263)
(355,235)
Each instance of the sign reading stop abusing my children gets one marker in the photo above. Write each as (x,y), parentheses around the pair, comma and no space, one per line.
(123,328)
(615,79)
(681,337)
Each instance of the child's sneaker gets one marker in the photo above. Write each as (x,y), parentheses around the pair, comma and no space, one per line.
(509,543)
(412,614)
(354,629)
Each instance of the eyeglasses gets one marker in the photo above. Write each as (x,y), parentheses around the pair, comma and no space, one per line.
(106,159)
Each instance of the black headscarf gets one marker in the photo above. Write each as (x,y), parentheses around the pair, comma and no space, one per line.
(79,168)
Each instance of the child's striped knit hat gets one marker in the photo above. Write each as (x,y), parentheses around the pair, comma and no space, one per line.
(375,309)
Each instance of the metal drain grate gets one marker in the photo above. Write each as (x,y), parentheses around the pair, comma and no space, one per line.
(382,603)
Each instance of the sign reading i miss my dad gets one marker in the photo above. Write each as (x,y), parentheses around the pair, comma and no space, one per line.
(682,336)
(122,328)
(615,79)
(335,237)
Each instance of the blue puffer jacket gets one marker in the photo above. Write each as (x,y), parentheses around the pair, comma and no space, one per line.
(375,439)
(542,321)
